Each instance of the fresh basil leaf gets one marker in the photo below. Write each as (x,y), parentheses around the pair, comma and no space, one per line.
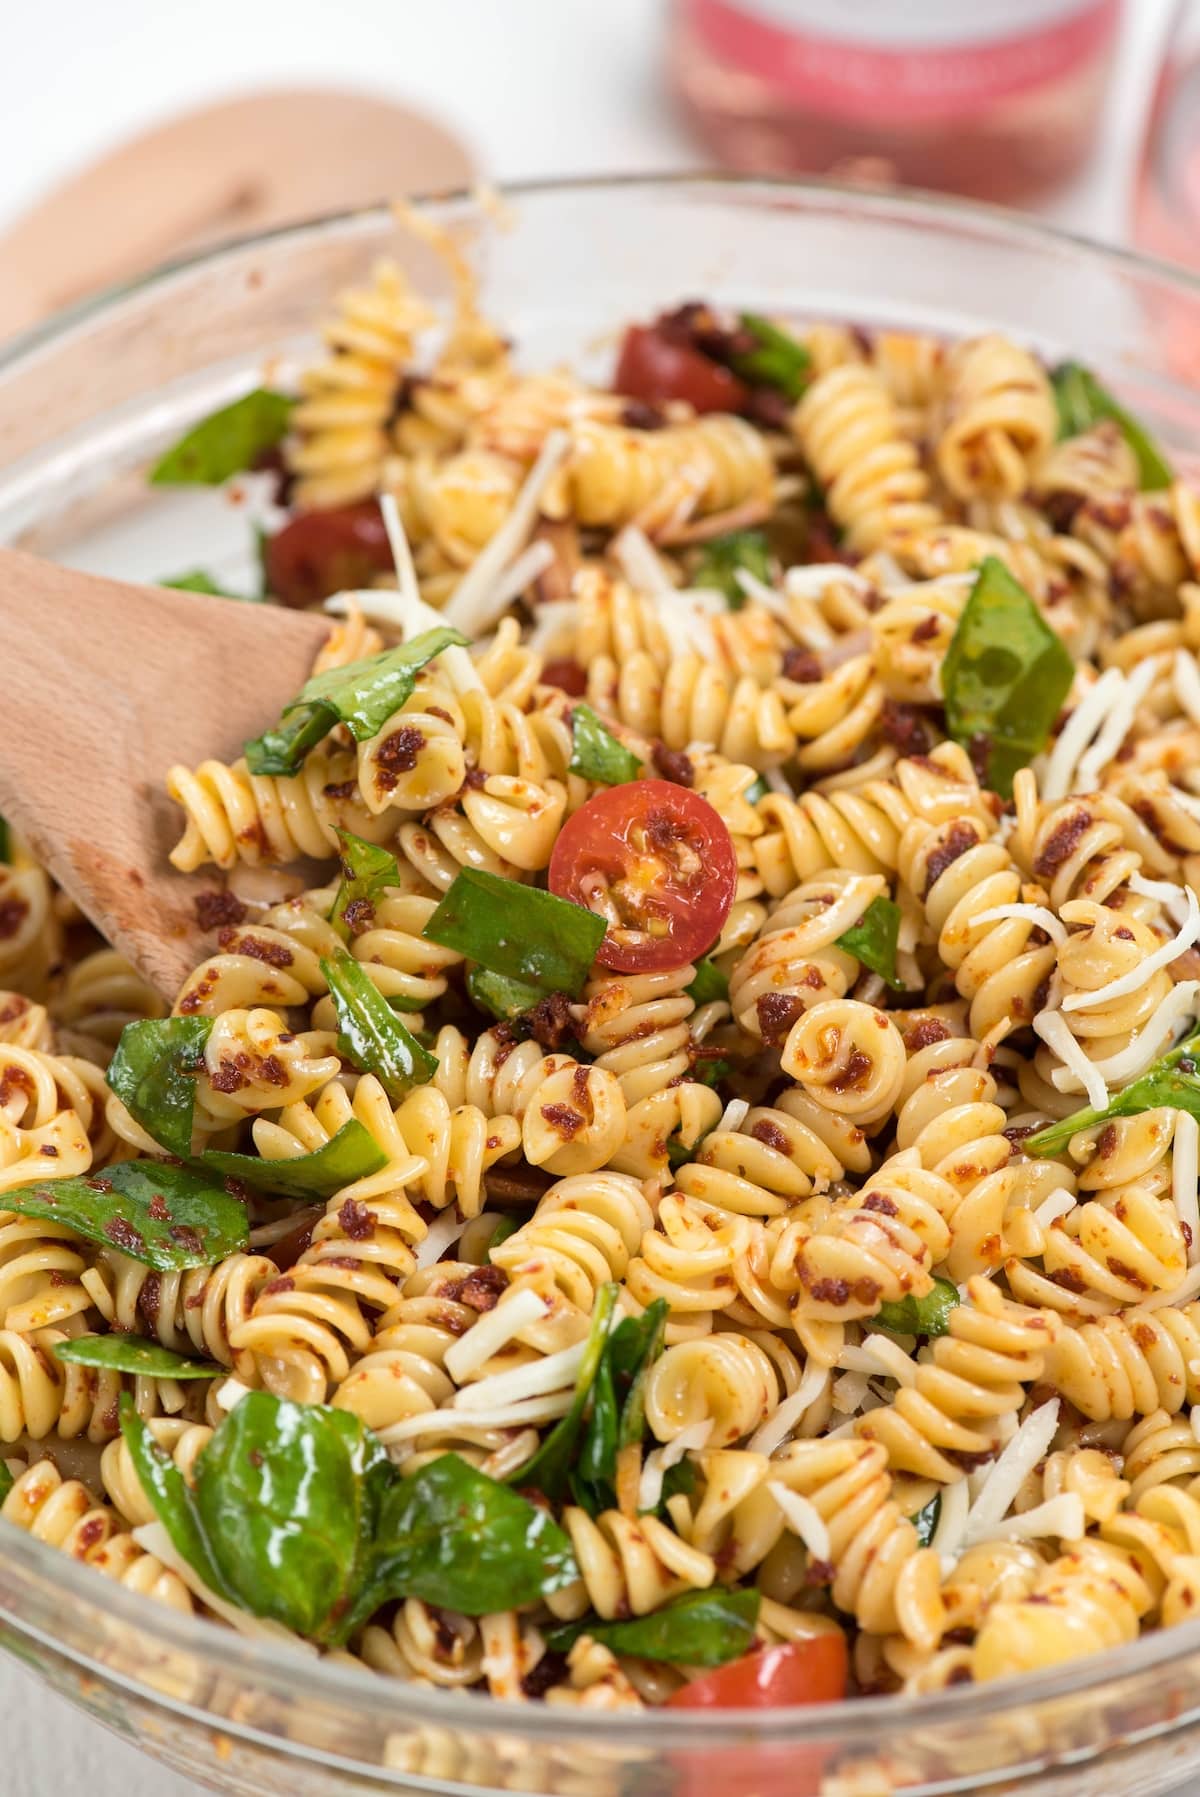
(926,1520)
(173,1500)
(165,1216)
(755,793)
(1172,1082)
(363,695)
(1082,402)
(153,1073)
(130,1354)
(197,580)
(503,997)
(709,985)
(702,1628)
(596,752)
(549,1470)
(367,871)
(453,1537)
(1004,677)
(724,557)
(618,1413)
(6,1481)
(929,1315)
(872,940)
(711,1073)
(226,442)
(350,1155)
(369,1032)
(679,1479)
(289,1497)
(5,841)
(505,1227)
(518,930)
(779,361)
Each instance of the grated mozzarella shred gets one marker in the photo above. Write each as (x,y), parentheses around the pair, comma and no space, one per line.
(231,1391)
(397,536)
(473,607)
(778,782)
(809,580)
(1061,1516)
(551,619)
(1007,1474)
(1185,677)
(803,1518)
(879,1355)
(1059,1202)
(154,1538)
(849,1392)
(1056,779)
(640,562)
(1116,727)
(734,1114)
(660,1460)
(1137,977)
(1175,1007)
(491,1333)
(1171,897)
(1185,1170)
(409,614)
(947,1538)
(442,1232)
(551,1372)
(768,1436)
(1037,914)
(1055,1032)
(465,1423)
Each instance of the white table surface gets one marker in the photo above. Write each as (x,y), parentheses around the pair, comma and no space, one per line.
(538,87)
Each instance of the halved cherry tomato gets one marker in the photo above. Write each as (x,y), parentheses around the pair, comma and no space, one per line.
(799,1672)
(654,367)
(334,551)
(657,861)
(812,1671)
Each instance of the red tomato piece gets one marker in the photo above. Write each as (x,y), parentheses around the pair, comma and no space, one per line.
(799,1672)
(653,367)
(567,675)
(657,861)
(812,1671)
(319,553)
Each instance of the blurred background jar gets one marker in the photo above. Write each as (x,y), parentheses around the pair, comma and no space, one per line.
(1166,200)
(998,99)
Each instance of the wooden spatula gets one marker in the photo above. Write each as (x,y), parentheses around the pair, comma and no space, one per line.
(105,687)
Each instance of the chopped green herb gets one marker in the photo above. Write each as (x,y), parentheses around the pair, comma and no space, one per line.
(926,1520)
(367,872)
(6,1480)
(872,940)
(503,997)
(550,1469)
(5,841)
(724,557)
(369,1032)
(702,1628)
(505,1227)
(130,1354)
(1172,1082)
(711,1073)
(929,1315)
(165,1216)
(1005,676)
(709,985)
(596,752)
(756,792)
(226,442)
(350,1155)
(1083,402)
(199,581)
(363,695)
(153,1073)
(779,361)
(518,930)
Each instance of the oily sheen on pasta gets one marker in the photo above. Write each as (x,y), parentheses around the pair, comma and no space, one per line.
(727,1091)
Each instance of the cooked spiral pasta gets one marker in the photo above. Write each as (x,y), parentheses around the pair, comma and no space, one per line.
(850,433)
(64,1514)
(998,418)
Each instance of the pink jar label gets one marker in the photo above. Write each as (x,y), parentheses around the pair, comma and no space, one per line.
(896,61)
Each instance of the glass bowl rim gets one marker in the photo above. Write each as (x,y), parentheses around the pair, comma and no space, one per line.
(870,1718)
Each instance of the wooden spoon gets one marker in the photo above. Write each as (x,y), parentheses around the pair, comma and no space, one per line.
(105,687)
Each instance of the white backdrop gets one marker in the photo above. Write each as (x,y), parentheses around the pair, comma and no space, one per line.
(537,87)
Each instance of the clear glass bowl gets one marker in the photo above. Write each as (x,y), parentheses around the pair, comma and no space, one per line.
(84,405)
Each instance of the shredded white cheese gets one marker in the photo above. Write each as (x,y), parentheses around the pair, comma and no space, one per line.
(442,1232)
(778,782)
(1145,1045)
(1055,1032)
(1037,914)
(465,1423)
(397,536)
(1137,976)
(1172,898)
(473,606)
(658,1460)
(803,1517)
(154,1538)
(879,1355)
(523,572)
(1185,1170)
(551,621)
(1055,779)
(809,580)
(951,1527)
(409,614)
(230,1392)
(491,1333)
(1185,677)
(1008,1473)
(849,1392)
(734,1114)
(1116,726)
(1061,1516)
(639,561)
(686,623)
(779,1426)
(550,1372)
